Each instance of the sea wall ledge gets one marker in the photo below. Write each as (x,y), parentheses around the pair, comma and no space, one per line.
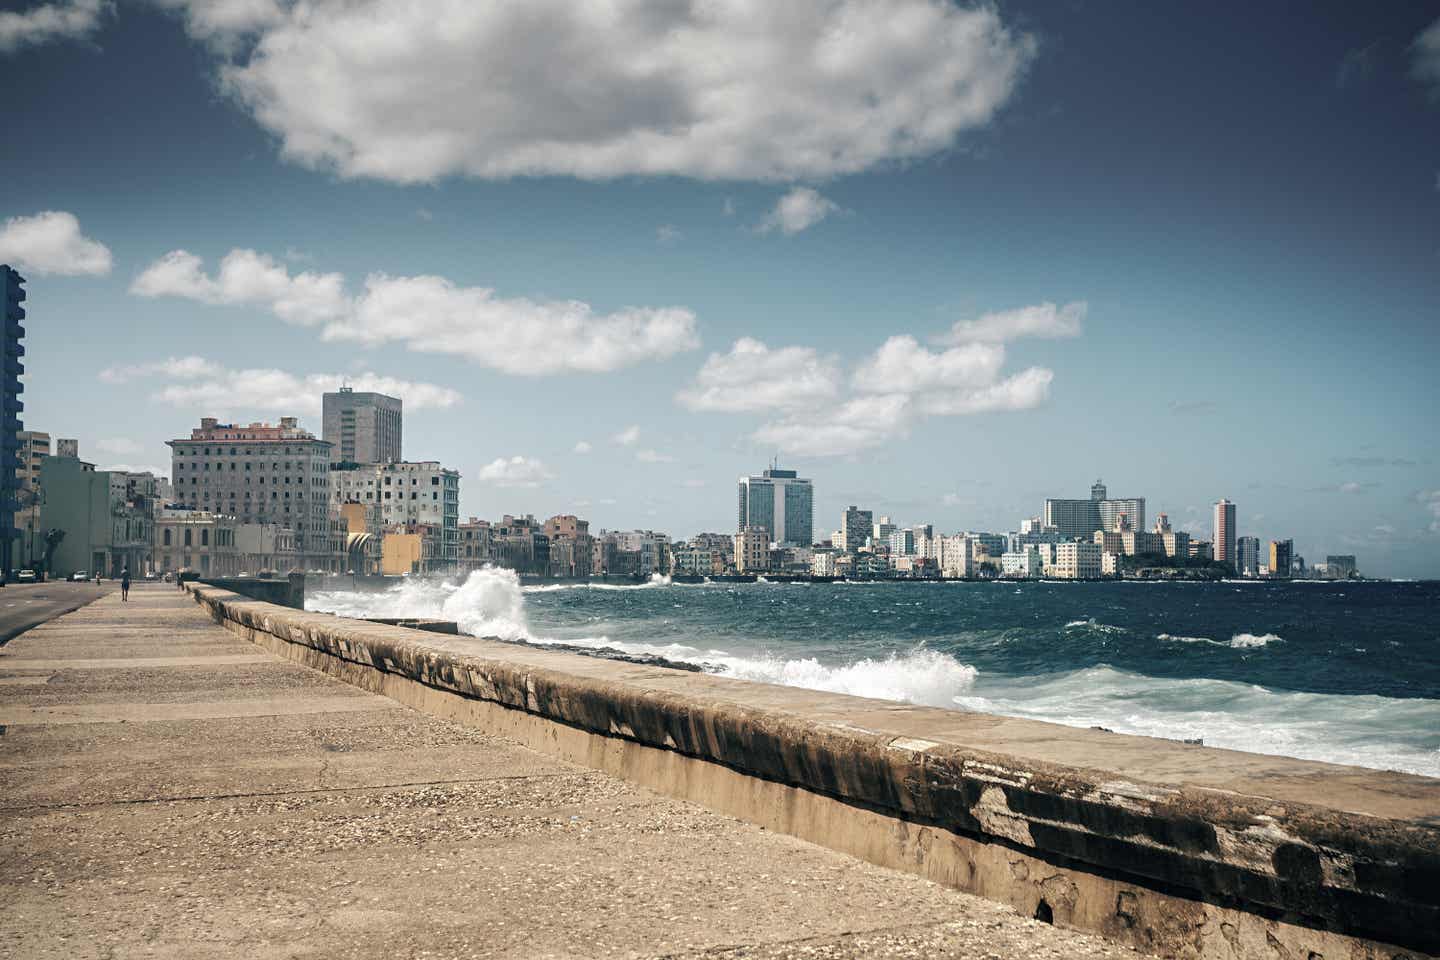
(1181,850)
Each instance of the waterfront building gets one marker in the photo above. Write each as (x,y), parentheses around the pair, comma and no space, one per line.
(65,447)
(519,544)
(261,474)
(476,550)
(1109,564)
(1025,563)
(32,447)
(1201,551)
(107,518)
(782,502)
(1282,555)
(1224,526)
(406,493)
(1076,560)
(752,550)
(364,427)
(12,312)
(882,530)
(956,556)
(571,549)
(1247,556)
(856,528)
(901,542)
(1341,566)
(822,564)
(702,559)
(1081,518)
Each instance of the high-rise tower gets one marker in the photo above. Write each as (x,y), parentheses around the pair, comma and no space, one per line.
(1225,532)
(364,427)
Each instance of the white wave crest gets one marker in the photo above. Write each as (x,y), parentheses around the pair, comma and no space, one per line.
(487,604)
(656,580)
(1175,639)
(922,676)
(1243,640)
(1090,624)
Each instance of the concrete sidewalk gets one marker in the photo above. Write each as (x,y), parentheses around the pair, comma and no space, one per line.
(169,790)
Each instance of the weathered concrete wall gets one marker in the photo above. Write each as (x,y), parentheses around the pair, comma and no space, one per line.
(1182,851)
(287,592)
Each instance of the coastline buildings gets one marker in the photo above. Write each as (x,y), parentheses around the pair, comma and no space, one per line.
(12,296)
(1247,556)
(781,502)
(1076,560)
(364,427)
(856,528)
(413,498)
(752,550)
(1282,555)
(261,474)
(108,517)
(1224,526)
(32,448)
(1081,518)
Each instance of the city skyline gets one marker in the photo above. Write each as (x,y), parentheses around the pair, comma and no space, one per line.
(949,335)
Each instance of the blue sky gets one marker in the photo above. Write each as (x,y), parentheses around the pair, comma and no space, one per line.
(1193,250)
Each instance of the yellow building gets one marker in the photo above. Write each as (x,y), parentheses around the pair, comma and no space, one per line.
(400,553)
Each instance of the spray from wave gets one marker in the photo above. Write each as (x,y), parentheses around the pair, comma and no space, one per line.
(1241,641)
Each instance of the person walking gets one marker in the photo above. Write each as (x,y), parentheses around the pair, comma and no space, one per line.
(125,584)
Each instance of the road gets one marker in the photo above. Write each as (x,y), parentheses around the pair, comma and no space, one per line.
(25,605)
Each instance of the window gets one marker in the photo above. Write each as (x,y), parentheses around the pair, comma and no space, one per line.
(167,536)
(187,537)
(204,538)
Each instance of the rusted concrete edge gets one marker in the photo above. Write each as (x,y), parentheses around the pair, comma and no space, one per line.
(1187,873)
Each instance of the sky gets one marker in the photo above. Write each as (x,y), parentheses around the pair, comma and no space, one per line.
(946,260)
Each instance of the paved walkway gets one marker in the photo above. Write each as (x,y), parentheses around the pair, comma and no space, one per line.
(169,790)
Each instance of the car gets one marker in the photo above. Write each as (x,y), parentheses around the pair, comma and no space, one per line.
(26,576)
(79,576)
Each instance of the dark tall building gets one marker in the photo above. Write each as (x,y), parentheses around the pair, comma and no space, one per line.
(12,298)
(781,502)
(365,427)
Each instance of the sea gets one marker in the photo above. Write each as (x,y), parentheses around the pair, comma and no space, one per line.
(1345,672)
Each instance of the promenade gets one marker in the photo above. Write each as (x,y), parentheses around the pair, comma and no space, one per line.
(169,790)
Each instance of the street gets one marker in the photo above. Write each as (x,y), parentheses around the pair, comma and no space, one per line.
(24,605)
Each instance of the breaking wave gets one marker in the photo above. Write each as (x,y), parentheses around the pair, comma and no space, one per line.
(1241,641)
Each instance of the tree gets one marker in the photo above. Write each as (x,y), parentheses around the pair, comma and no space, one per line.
(52,541)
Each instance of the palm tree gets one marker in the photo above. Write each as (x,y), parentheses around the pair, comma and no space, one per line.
(52,540)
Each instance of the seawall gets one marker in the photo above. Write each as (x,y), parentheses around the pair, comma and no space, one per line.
(1179,850)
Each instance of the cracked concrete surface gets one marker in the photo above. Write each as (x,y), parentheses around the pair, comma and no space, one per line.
(213,804)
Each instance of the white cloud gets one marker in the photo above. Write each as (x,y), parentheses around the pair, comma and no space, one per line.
(653,456)
(583,447)
(753,376)
(223,21)
(1043,320)
(667,235)
(517,471)
(217,390)
(429,314)
(798,210)
(247,277)
(117,445)
(806,89)
(901,365)
(180,368)
(51,242)
(66,20)
(629,436)
(857,424)
(1425,60)
(1025,390)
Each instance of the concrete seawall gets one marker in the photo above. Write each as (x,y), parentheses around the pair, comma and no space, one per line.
(1179,850)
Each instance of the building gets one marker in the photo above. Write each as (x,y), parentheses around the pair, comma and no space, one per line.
(195,540)
(1077,560)
(406,493)
(1282,555)
(856,528)
(572,551)
(519,544)
(781,502)
(1025,563)
(33,446)
(12,312)
(105,520)
(1081,518)
(67,448)
(901,542)
(882,530)
(752,550)
(364,427)
(1341,566)
(1247,556)
(476,549)
(1224,524)
(261,474)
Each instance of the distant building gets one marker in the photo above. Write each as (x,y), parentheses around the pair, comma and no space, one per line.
(1341,566)
(752,550)
(901,542)
(12,312)
(1081,518)
(108,518)
(364,427)
(1224,524)
(856,528)
(882,530)
(406,493)
(1025,563)
(780,501)
(1247,556)
(33,447)
(1201,551)
(572,551)
(476,549)
(261,474)
(1282,555)
(67,448)
(1077,560)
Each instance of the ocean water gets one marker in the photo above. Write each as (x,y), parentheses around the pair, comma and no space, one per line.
(1342,672)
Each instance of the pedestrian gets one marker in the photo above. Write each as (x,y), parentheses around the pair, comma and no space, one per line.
(125,584)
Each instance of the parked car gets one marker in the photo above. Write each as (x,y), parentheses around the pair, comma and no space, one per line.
(79,576)
(26,576)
